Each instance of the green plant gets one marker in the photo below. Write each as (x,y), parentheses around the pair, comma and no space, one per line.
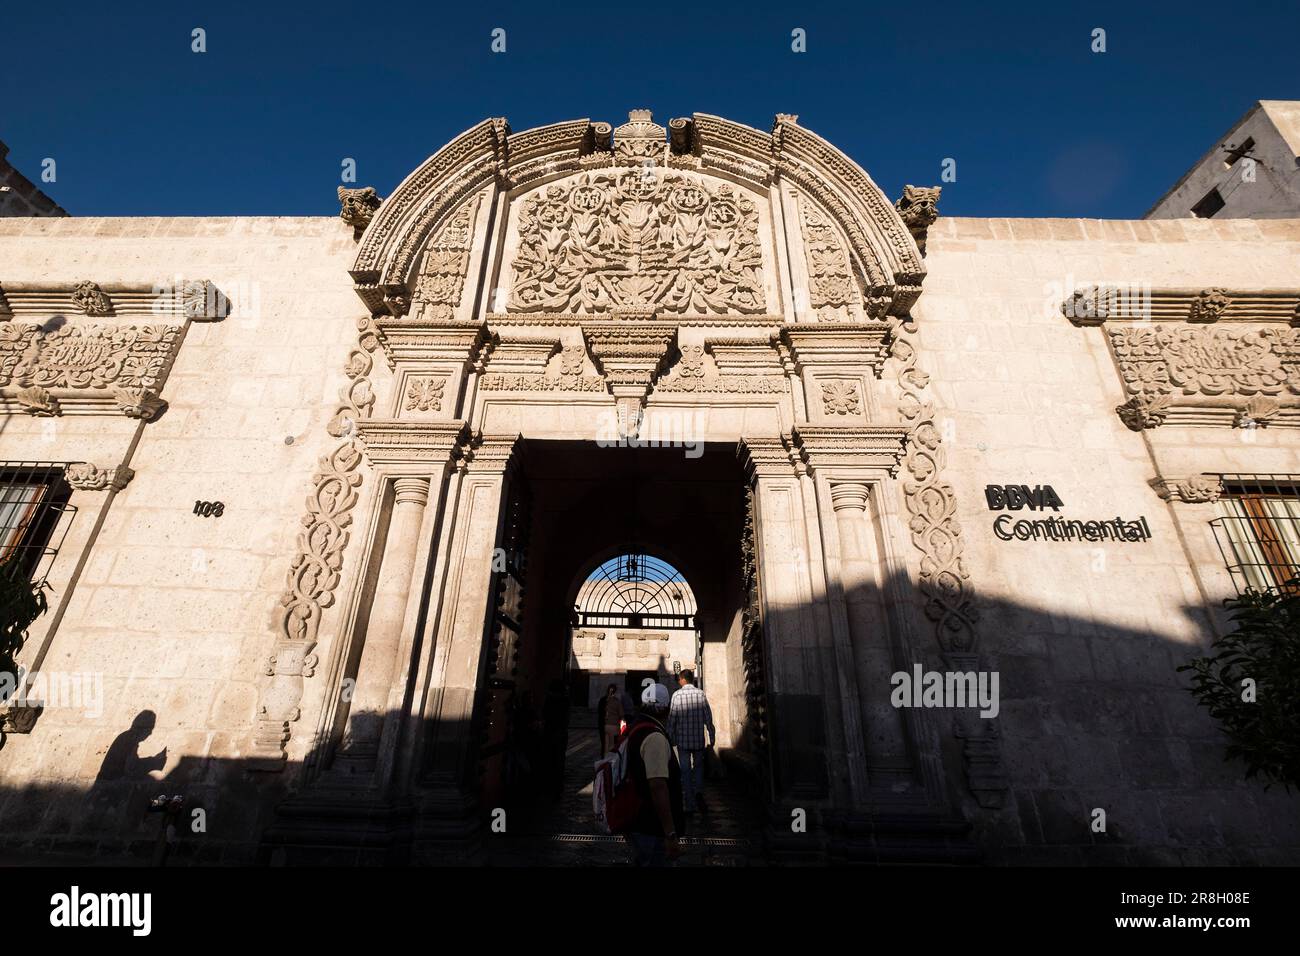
(21,603)
(1251,683)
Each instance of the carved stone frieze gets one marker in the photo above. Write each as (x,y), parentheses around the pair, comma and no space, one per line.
(87,477)
(1164,367)
(697,371)
(87,356)
(1130,302)
(630,239)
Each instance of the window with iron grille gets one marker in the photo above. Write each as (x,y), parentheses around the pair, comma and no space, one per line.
(1259,530)
(34,514)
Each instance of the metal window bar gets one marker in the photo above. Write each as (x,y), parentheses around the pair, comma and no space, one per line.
(1259,533)
(35,515)
(635,590)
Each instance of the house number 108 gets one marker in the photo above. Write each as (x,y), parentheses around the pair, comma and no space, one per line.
(209,508)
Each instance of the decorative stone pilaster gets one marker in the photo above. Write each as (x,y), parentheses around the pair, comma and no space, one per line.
(378,664)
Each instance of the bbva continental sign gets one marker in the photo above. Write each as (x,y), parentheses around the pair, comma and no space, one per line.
(1041,497)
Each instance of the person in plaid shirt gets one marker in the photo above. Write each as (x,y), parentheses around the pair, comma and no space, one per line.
(688,718)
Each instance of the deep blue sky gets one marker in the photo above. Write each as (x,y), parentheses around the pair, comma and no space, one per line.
(259,124)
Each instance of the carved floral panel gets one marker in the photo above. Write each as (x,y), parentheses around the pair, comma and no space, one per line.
(625,238)
(87,356)
(1208,361)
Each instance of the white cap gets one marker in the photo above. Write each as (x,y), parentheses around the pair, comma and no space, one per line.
(655,695)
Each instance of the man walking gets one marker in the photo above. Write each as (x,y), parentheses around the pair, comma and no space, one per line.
(688,718)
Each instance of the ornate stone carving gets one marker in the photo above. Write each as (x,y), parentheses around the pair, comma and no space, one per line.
(90,299)
(1209,306)
(38,401)
(696,371)
(1208,361)
(87,477)
(424,394)
(1144,411)
(315,571)
(139,403)
(944,581)
(832,289)
(841,398)
(1257,412)
(639,141)
(625,238)
(442,276)
(1199,489)
(358,207)
(87,356)
(919,208)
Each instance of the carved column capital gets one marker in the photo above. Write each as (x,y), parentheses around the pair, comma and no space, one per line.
(411,491)
(849,496)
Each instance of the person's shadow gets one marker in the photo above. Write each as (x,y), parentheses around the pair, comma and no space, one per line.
(123,762)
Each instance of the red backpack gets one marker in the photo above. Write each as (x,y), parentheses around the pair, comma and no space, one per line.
(615,798)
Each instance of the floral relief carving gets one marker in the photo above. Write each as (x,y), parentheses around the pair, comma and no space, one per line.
(424,394)
(442,276)
(87,477)
(832,290)
(1208,361)
(1209,306)
(638,239)
(87,356)
(841,398)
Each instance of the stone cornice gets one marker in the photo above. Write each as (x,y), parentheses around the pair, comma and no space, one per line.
(1096,305)
(851,449)
(197,299)
(838,344)
(416,341)
(391,441)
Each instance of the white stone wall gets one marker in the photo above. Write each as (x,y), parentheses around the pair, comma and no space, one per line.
(1086,636)
(178,612)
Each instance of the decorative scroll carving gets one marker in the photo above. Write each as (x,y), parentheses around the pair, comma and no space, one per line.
(638,239)
(90,299)
(919,208)
(949,598)
(87,356)
(425,394)
(1209,306)
(315,571)
(358,207)
(841,398)
(87,477)
(139,403)
(442,276)
(1199,489)
(1144,411)
(832,290)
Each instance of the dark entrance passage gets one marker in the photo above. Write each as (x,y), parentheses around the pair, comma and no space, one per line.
(654,538)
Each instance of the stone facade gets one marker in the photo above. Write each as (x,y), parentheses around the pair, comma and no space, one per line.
(426,421)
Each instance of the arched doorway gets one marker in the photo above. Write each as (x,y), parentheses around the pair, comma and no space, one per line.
(633,569)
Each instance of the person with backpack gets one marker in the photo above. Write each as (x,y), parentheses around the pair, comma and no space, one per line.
(638,790)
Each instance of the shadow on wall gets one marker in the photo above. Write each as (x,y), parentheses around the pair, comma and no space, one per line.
(1091,717)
